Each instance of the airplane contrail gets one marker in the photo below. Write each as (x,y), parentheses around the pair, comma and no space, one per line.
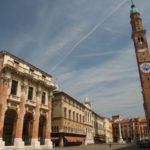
(100,54)
(89,33)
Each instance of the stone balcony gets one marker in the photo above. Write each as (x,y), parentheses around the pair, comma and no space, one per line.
(13,102)
(30,103)
(44,107)
(13,98)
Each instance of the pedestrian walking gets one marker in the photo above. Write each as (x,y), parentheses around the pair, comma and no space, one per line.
(110,144)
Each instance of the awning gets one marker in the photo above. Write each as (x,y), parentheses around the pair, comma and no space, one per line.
(74,139)
(54,138)
(81,139)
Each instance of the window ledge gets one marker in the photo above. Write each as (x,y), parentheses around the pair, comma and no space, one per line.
(31,103)
(43,106)
(14,98)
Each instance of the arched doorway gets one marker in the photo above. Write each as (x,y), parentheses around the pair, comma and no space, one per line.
(27,128)
(9,127)
(42,127)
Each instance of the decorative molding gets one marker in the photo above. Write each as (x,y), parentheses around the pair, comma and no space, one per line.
(39,91)
(24,86)
(44,107)
(31,103)
(12,105)
(142,50)
(13,98)
(30,110)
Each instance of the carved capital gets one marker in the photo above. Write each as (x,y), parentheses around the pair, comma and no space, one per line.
(39,91)
(24,86)
(6,82)
(6,77)
(50,96)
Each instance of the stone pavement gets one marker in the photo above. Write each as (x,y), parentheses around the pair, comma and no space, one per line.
(88,147)
(102,147)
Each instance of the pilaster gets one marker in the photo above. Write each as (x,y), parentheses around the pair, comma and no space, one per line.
(61,143)
(48,141)
(4,85)
(2,144)
(18,142)
(34,142)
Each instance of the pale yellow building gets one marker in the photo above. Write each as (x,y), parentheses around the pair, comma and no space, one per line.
(67,120)
(74,123)
(108,130)
(99,128)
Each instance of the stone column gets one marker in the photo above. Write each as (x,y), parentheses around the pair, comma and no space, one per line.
(139,132)
(61,143)
(18,142)
(134,136)
(120,134)
(35,142)
(48,141)
(142,132)
(128,134)
(4,85)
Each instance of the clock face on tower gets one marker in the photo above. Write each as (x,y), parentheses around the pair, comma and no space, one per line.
(145,67)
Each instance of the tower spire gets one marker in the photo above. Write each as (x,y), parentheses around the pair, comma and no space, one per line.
(134,9)
(132,2)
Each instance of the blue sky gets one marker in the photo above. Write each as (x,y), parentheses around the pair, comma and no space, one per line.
(84,44)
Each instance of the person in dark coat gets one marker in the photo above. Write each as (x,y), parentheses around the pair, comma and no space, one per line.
(110,144)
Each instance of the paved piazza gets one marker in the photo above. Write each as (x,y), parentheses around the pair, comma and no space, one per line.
(89,147)
(101,147)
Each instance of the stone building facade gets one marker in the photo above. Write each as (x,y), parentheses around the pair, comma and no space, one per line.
(94,125)
(67,120)
(74,123)
(89,120)
(132,129)
(108,130)
(25,103)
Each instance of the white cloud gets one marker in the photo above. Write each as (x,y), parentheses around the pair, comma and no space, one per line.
(111,84)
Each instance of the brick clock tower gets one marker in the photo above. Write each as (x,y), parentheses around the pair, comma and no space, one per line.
(142,57)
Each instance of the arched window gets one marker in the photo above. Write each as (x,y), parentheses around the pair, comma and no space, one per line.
(140,39)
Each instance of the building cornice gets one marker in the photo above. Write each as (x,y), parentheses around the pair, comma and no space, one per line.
(23,61)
